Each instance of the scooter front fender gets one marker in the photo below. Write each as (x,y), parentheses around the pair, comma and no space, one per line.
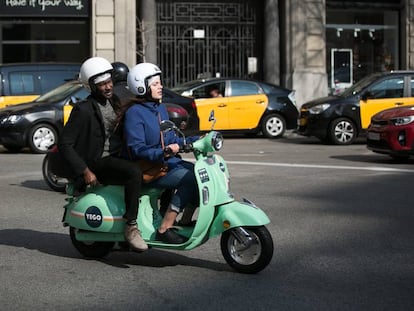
(237,214)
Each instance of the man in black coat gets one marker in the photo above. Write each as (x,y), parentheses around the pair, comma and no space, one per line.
(90,144)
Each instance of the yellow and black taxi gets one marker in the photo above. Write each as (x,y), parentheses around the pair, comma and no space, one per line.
(342,118)
(243,105)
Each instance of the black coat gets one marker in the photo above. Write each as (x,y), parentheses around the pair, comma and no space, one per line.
(83,137)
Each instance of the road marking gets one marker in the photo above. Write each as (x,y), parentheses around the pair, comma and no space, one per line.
(21,174)
(338,167)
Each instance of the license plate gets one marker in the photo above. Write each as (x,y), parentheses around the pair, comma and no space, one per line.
(373,136)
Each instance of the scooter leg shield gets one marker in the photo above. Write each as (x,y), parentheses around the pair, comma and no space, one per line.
(100,210)
(236,214)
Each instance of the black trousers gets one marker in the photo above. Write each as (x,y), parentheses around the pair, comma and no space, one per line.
(117,171)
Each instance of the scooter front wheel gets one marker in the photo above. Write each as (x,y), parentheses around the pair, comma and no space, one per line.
(247,249)
(91,249)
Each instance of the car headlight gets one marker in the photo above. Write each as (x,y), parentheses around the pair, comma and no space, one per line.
(12,119)
(402,120)
(319,108)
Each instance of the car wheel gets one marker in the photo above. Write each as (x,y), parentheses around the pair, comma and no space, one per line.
(12,148)
(342,131)
(273,126)
(41,137)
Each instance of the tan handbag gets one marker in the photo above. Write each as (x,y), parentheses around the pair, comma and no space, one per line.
(152,170)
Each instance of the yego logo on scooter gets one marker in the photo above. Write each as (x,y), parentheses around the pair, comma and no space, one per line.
(93,216)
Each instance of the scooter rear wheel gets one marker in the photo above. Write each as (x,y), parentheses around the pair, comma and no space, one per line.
(52,180)
(247,249)
(91,249)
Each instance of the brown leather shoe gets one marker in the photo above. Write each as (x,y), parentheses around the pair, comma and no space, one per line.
(134,239)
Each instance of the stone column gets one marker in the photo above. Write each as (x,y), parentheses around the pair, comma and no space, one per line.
(407,24)
(148,28)
(125,32)
(103,29)
(271,61)
(305,49)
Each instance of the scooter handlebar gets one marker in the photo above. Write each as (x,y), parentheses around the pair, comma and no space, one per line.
(187,148)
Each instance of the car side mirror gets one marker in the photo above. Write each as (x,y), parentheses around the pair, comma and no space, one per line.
(73,100)
(212,118)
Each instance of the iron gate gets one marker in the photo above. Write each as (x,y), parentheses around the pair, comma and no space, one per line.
(205,39)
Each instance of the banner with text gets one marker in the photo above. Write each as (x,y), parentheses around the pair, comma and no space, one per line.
(44,8)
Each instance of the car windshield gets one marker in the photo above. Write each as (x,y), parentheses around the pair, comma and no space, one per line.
(360,85)
(59,93)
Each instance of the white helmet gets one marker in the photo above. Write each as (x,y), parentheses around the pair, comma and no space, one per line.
(139,75)
(91,68)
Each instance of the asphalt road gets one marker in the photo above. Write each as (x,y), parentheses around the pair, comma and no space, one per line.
(341,221)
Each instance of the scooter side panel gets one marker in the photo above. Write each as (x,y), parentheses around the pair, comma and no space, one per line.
(101,210)
(149,217)
(236,214)
(212,179)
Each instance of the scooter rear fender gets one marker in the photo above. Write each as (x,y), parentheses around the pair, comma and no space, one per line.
(237,214)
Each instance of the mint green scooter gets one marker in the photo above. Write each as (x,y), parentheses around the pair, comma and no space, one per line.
(96,223)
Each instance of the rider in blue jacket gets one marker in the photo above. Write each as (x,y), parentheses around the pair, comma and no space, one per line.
(144,140)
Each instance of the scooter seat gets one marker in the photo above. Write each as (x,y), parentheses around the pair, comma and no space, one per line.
(145,190)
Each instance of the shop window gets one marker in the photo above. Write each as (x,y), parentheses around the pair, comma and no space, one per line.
(44,41)
(371,36)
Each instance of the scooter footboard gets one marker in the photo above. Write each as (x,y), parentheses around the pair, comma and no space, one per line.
(236,214)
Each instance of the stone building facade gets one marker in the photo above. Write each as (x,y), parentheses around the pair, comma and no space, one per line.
(294,50)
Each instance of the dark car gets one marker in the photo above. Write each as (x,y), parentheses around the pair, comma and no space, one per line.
(392,132)
(37,124)
(244,105)
(340,119)
(182,110)
(24,82)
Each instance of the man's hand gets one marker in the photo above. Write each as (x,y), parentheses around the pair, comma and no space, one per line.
(89,177)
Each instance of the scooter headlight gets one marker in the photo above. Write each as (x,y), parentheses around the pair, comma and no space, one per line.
(217,141)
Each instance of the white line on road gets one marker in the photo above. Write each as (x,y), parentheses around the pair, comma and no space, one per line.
(337,167)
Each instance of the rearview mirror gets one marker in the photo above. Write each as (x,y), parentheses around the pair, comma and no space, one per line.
(167,125)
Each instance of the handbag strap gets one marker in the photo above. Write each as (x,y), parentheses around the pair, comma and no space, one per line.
(161,135)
